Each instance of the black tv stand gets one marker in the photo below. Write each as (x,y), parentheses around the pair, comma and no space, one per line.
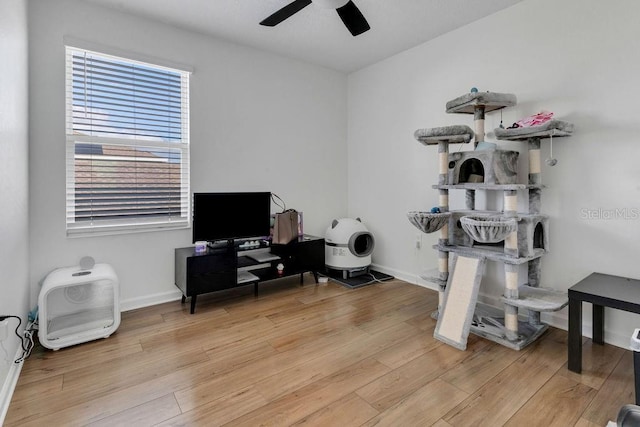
(217,268)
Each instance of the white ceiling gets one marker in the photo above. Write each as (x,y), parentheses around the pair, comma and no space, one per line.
(314,34)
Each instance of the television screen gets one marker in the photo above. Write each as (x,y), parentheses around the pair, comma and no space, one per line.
(225,216)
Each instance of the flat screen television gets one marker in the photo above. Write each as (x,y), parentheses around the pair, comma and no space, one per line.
(228,216)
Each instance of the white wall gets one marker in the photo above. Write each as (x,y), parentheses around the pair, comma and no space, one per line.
(14,235)
(576,58)
(259,122)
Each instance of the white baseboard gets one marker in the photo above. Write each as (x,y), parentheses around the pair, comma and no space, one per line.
(9,385)
(556,319)
(148,300)
(402,275)
(559,320)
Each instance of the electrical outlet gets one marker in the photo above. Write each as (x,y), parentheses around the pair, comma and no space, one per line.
(4,330)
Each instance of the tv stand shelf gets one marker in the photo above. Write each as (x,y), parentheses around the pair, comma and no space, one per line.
(217,268)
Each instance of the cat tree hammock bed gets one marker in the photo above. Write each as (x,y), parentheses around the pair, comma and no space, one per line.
(428,222)
(488,229)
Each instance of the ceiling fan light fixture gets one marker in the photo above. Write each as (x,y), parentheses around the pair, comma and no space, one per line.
(330,4)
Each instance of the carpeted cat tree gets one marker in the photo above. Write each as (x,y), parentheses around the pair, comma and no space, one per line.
(504,235)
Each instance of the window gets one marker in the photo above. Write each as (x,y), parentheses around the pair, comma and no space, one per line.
(127,144)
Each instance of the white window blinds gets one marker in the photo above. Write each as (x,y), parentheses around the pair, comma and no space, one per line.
(127,144)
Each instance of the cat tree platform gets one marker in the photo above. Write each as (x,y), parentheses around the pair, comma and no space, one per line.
(481,186)
(489,101)
(488,322)
(490,253)
(552,128)
(538,299)
(457,134)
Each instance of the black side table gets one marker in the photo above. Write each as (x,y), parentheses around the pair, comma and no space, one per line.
(601,290)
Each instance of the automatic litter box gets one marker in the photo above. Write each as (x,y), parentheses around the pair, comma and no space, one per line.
(348,247)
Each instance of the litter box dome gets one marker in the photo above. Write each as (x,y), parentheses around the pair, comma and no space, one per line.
(348,246)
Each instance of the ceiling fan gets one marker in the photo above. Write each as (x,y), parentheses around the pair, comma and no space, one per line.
(347,10)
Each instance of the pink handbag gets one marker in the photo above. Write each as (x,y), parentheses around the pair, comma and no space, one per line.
(285,227)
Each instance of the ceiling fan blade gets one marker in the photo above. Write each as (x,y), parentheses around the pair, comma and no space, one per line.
(353,18)
(282,14)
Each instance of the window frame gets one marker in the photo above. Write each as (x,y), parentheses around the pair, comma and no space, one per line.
(137,222)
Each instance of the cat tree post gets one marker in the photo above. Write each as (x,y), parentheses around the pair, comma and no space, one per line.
(510,208)
(443,162)
(478,123)
(535,174)
(470,199)
(443,201)
(534,161)
(534,271)
(511,292)
(443,256)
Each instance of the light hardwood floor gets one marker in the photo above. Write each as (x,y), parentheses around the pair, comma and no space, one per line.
(318,355)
